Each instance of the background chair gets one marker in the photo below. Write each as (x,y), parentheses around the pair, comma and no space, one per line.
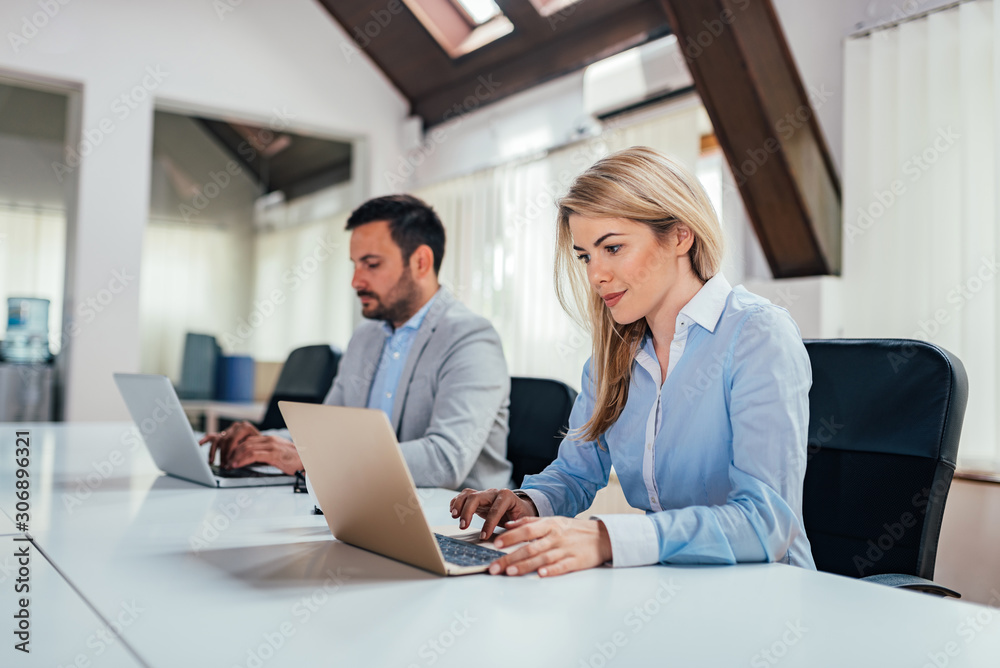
(306,376)
(198,365)
(884,425)
(539,416)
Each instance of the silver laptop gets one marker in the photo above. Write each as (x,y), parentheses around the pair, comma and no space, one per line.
(157,413)
(366,492)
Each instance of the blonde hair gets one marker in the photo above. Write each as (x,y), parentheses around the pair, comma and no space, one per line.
(644,186)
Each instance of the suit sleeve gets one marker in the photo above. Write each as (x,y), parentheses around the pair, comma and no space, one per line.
(473,383)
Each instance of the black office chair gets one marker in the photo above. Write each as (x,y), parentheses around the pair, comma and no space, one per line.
(306,376)
(539,416)
(885,418)
(198,366)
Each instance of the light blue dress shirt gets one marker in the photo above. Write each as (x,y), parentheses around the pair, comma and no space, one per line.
(715,455)
(391,362)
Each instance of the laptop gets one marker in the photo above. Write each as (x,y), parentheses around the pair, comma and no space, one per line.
(157,413)
(366,492)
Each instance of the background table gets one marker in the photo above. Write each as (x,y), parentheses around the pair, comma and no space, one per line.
(250,578)
(213,410)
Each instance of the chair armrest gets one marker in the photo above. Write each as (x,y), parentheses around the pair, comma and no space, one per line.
(898,581)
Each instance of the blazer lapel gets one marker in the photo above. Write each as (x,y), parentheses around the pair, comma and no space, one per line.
(441,304)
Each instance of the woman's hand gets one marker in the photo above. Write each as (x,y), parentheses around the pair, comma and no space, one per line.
(558,545)
(497,506)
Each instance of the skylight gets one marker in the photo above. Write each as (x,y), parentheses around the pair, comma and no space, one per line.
(480,11)
(461,26)
(549,7)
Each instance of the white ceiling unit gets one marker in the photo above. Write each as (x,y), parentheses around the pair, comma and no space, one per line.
(629,79)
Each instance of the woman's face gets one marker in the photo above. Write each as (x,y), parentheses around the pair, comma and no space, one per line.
(627,265)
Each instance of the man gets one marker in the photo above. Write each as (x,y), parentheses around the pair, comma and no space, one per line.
(434,367)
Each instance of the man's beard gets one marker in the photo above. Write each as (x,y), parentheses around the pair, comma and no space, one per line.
(399,304)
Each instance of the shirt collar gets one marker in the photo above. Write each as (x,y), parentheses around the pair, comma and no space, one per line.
(707,305)
(705,309)
(415,321)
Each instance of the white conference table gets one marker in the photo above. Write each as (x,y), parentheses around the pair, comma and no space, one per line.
(268,586)
(64,630)
(6,525)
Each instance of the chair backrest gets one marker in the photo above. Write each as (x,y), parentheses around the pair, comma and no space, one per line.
(306,376)
(539,416)
(885,417)
(198,367)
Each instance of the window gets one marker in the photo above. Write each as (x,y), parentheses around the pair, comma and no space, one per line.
(547,8)
(461,26)
(478,11)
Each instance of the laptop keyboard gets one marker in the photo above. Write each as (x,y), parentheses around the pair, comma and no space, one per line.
(460,553)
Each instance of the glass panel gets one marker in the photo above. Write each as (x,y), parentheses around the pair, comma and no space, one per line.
(481,11)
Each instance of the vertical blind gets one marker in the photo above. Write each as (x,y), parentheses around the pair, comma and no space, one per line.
(308,269)
(261,294)
(920,189)
(193,279)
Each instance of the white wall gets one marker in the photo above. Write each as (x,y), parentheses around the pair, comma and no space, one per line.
(247,63)
(815,31)
(534,120)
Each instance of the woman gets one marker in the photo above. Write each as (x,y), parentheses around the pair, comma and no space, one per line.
(696,392)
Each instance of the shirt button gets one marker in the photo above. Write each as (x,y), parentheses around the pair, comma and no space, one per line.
(395,356)
(388,395)
(649,446)
(652,500)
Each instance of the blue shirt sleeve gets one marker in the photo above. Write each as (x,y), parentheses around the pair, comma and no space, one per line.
(581,469)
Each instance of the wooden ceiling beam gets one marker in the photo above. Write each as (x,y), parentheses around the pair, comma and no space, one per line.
(563,53)
(539,49)
(767,127)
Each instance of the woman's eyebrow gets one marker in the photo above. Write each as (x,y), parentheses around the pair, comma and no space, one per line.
(598,242)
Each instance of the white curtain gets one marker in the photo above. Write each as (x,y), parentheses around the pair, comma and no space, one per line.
(501,240)
(302,288)
(194,278)
(261,294)
(920,188)
(33,261)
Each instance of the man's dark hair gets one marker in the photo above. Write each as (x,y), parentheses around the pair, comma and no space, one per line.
(412,223)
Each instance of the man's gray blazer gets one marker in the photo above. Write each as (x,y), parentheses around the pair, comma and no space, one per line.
(453,399)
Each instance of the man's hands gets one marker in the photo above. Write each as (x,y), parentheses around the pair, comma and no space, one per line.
(243,445)
(557,544)
(223,442)
(497,506)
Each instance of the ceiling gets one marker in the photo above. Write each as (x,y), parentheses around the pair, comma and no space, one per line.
(295,164)
(211,171)
(537,50)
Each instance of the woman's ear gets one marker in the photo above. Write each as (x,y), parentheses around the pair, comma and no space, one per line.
(683,239)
